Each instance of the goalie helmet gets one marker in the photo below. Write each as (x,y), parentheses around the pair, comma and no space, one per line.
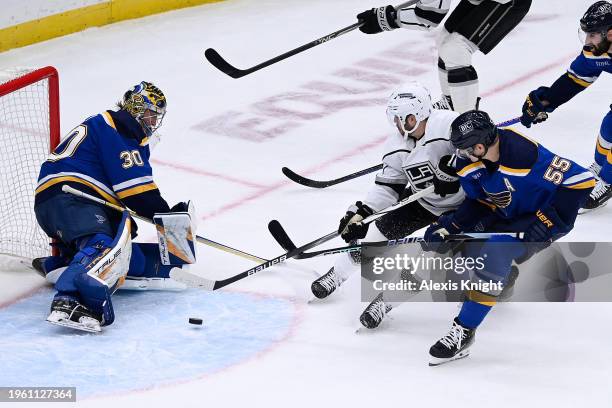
(598,18)
(147,104)
(411,98)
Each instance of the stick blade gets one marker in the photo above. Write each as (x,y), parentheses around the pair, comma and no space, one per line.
(280,235)
(293,176)
(222,65)
(192,280)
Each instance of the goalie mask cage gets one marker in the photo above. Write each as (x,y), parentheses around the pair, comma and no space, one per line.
(29,130)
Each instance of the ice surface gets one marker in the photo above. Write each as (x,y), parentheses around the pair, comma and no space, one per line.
(321,113)
(153,343)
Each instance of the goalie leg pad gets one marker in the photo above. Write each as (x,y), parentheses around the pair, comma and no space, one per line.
(98,269)
(147,272)
(176,238)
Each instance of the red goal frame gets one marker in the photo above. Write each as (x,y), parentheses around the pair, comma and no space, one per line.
(49,73)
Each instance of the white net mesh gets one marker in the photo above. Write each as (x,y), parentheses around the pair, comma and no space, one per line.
(24,145)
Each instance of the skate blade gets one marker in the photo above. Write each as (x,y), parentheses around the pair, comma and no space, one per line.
(439,361)
(588,210)
(74,325)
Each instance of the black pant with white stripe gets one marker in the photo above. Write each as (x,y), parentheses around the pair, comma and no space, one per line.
(487,23)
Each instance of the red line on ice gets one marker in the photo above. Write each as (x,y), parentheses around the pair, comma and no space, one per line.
(271,188)
(525,77)
(201,172)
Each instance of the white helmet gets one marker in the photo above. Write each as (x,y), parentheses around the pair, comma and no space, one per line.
(411,98)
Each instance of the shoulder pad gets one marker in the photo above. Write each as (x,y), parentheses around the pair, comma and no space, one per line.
(517,153)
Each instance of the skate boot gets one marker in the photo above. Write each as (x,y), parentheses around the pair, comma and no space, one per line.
(326,284)
(67,312)
(455,345)
(50,267)
(598,198)
(374,314)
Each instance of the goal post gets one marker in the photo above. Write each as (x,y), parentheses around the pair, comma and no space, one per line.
(29,130)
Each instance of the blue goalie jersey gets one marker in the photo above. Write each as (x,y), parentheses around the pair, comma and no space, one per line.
(106,156)
(524,180)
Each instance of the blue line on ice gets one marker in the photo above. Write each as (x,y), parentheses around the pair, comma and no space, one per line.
(149,344)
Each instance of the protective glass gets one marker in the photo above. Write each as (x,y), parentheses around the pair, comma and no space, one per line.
(465,153)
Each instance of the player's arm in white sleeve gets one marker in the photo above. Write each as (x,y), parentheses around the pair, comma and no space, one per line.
(425,15)
(390,182)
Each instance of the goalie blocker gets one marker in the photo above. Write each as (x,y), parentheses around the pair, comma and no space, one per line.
(175,232)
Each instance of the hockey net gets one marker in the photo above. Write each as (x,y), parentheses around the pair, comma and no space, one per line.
(29,129)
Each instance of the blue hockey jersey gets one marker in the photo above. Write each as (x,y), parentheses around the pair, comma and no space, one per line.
(524,180)
(107,156)
(583,72)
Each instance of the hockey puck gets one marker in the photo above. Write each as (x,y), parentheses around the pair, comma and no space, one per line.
(195,320)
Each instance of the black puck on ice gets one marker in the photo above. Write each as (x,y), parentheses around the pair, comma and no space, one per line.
(195,320)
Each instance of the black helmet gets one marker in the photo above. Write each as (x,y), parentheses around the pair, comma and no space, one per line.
(473,127)
(598,17)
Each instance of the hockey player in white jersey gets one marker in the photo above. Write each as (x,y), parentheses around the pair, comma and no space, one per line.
(409,164)
(474,25)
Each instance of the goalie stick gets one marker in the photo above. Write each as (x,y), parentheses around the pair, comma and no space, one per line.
(280,235)
(222,65)
(202,240)
(293,176)
(194,280)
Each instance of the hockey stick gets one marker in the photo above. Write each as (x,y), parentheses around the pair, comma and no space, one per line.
(293,176)
(222,65)
(322,184)
(192,279)
(509,122)
(280,235)
(202,240)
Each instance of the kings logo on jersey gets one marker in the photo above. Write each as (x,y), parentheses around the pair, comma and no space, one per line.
(420,175)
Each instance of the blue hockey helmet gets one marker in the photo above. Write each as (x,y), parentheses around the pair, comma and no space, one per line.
(471,128)
(147,104)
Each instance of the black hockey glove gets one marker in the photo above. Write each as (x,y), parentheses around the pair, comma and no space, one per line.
(435,235)
(378,19)
(181,206)
(546,227)
(351,227)
(534,109)
(445,179)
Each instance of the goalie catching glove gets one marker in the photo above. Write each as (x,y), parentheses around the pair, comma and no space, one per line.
(351,227)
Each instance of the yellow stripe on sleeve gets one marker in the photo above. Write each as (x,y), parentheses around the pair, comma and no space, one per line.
(585,184)
(579,81)
(136,190)
(98,190)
